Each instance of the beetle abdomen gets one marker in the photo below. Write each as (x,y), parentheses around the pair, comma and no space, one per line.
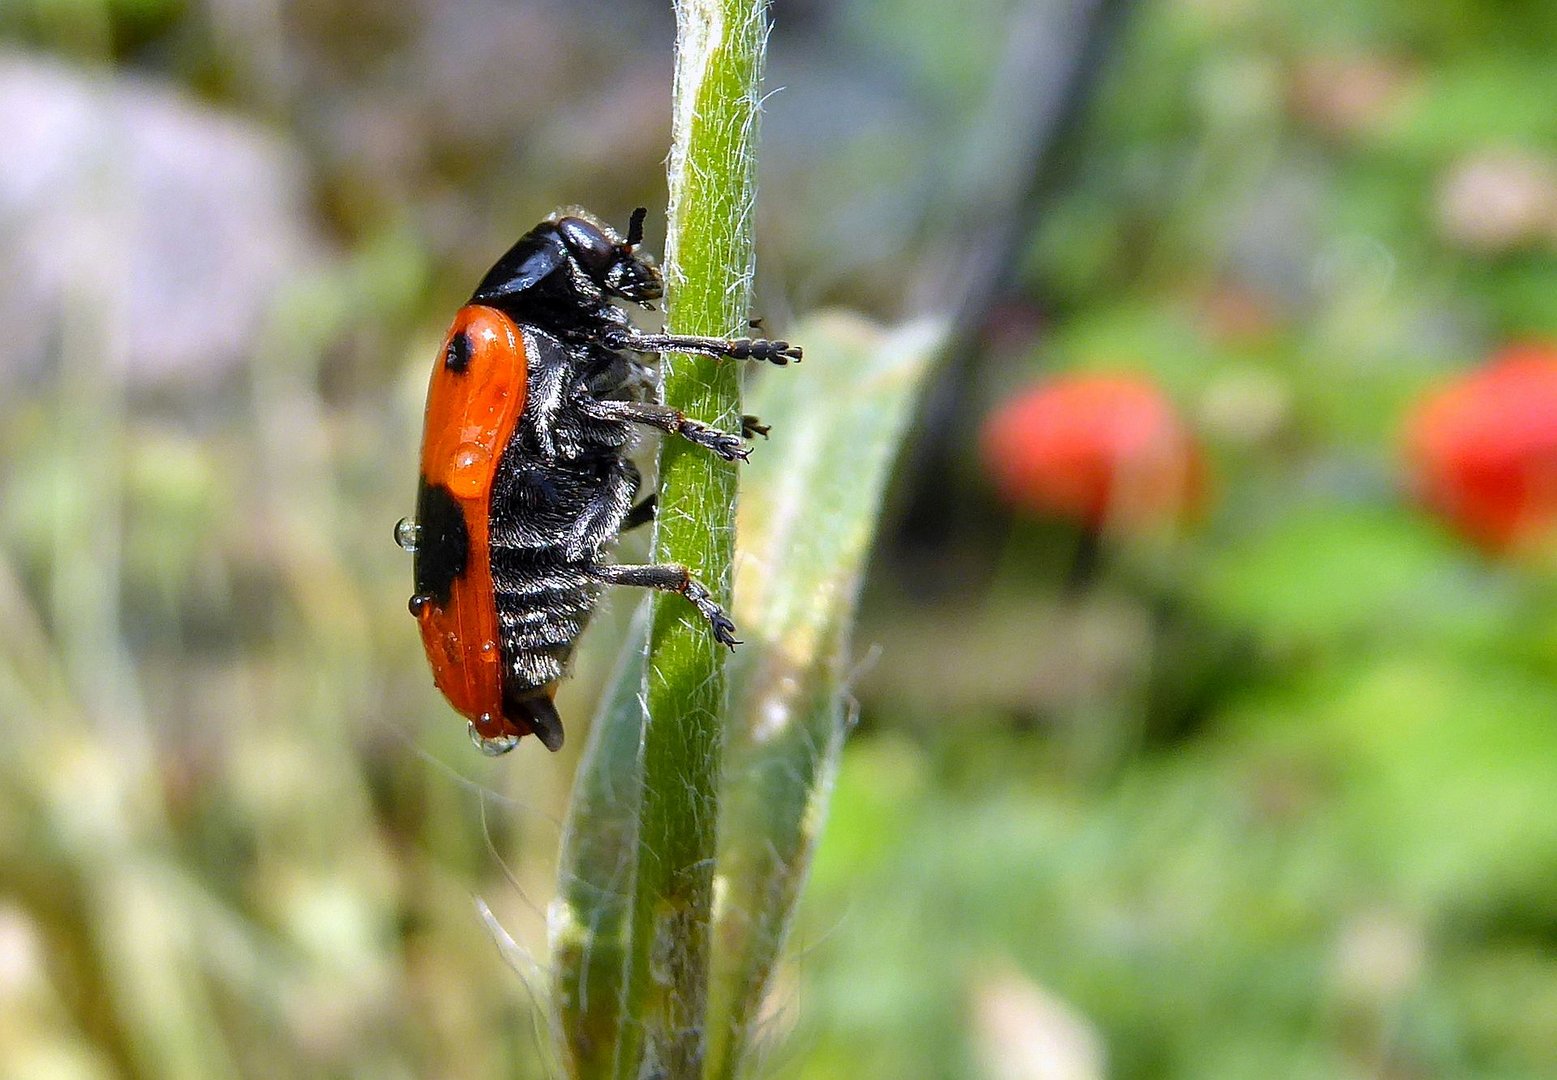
(551,521)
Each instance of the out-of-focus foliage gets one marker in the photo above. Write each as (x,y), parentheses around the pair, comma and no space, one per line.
(1275,795)
(1278,798)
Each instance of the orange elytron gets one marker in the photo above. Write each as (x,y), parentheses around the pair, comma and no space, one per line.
(476,396)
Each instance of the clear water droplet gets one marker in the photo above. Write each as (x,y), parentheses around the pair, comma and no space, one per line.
(408,533)
(493,746)
(470,470)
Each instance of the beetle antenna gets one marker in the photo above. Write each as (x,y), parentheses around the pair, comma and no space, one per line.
(635,226)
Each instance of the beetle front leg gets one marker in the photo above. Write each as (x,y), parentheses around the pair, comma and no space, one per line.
(772,351)
(670,577)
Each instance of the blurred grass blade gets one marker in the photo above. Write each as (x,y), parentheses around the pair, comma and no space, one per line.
(590,922)
(808,513)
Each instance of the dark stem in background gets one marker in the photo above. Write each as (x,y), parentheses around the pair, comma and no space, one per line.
(1085,565)
(1014,162)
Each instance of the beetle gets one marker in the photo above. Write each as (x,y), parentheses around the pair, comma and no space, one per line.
(525,482)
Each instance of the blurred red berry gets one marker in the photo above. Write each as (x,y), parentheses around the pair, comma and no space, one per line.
(1100,450)
(1483,449)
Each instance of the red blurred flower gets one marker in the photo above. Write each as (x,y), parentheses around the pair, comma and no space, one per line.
(1097,449)
(1483,449)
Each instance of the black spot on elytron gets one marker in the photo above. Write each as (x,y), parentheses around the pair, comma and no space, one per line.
(443,548)
(457,357)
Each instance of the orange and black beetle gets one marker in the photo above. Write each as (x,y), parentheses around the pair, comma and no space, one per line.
(525,481)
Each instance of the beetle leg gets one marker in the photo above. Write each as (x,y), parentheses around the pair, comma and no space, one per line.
(751,427)
(677,579)
(771,350)
(642,513)
(603,515)
(643,378)
(672,422)
(545,396)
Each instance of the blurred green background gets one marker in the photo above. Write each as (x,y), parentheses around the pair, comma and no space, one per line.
(1273,796)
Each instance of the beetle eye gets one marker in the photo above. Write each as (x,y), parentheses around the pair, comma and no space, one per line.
(592,247)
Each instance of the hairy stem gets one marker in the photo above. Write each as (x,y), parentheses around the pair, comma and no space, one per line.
(719,51)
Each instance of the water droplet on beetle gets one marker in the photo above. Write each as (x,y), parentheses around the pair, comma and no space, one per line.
(494,745)
(469,470)
(408,533)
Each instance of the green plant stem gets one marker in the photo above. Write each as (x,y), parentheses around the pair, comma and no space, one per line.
(708,271)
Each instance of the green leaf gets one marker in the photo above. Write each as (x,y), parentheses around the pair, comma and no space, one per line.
(808,515)
(590,922)
(811,499)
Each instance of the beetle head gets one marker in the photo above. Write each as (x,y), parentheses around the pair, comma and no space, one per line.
(611,262)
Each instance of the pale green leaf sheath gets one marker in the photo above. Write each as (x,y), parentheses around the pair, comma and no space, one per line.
(591,919)
(808,515)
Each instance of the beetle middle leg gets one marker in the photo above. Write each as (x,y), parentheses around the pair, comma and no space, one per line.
(672,422)
(670,577)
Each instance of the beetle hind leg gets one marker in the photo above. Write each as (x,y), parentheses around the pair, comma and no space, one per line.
(677,579)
